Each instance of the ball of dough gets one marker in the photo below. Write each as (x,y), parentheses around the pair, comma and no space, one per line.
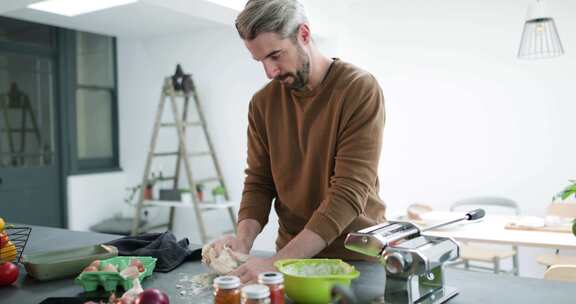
(223,263)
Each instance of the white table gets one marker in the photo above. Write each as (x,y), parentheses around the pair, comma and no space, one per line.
(492,229)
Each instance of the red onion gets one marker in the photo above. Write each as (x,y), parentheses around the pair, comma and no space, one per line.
(152,296)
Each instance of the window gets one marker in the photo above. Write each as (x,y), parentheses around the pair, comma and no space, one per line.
(58,88)
(95,103)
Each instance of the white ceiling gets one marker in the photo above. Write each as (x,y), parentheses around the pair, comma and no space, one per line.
(145,18)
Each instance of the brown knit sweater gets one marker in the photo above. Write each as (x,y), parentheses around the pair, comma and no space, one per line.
(316,153)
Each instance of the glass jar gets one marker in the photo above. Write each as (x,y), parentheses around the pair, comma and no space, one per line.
(275,283)
(227,290)
(255,294)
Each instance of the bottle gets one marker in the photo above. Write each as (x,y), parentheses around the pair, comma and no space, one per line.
(227,290)
(275,283)
(255,294)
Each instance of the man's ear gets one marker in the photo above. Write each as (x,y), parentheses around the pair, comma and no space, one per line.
(304,34)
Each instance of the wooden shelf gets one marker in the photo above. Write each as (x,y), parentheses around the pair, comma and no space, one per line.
(159,203)
(202,205)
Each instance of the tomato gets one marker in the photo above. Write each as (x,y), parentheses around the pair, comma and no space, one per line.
(8,273)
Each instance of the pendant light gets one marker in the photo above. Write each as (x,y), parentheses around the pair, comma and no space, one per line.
(540,37)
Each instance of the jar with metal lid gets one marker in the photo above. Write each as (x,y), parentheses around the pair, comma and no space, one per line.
(227,290)
(255,294)
(275,282)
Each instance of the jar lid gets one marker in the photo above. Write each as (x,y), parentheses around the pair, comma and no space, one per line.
(270,278)
(255,291)
(227,282)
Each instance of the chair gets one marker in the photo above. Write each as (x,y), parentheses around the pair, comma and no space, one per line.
(566,273)
(561,210)
(482,253)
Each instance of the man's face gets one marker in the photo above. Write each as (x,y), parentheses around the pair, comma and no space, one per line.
(283,59)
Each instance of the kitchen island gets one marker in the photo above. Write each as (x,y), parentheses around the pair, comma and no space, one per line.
(473,287)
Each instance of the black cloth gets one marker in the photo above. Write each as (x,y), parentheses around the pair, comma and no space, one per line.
(163,246)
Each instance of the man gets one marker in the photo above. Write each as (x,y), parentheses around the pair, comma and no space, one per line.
(314,140)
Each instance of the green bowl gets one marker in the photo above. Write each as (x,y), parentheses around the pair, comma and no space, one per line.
(311,280)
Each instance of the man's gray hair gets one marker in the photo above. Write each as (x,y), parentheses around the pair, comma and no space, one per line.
(282,17)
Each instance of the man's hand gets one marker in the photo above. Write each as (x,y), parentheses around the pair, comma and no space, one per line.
(248,229)
(306,244)
(249,271)
(232,242)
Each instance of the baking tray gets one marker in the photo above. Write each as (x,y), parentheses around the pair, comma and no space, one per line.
(50,265)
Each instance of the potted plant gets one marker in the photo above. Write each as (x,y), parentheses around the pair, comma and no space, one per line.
(567,196)
(219,194)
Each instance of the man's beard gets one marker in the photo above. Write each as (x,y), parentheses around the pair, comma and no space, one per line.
(300,79)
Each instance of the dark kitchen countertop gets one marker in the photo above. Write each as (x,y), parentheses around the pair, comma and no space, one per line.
(473,287)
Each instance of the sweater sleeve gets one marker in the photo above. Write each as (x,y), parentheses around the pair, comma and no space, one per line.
(356,160)
(259,189)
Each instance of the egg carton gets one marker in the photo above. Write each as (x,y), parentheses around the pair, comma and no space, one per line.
(111,280)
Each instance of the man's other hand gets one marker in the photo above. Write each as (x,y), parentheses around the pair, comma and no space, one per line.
(249,271)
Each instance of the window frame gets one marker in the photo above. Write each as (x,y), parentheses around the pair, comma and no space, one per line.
(69,65)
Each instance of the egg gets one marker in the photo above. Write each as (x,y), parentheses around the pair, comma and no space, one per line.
(138,264)
(90,268)
(110,268)
(95,263)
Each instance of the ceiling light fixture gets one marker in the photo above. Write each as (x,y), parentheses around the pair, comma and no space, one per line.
(540,37)
(72,8)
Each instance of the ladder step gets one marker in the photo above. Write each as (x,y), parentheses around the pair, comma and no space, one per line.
(202,153)
(187,124)
(166,154)
(208,179)
(166,178)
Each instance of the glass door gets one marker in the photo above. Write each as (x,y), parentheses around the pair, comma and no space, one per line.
(29,170)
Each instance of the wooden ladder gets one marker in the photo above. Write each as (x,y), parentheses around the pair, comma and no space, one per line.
(179,89)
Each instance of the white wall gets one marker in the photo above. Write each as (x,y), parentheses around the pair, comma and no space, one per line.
(94,197)
(465,116)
